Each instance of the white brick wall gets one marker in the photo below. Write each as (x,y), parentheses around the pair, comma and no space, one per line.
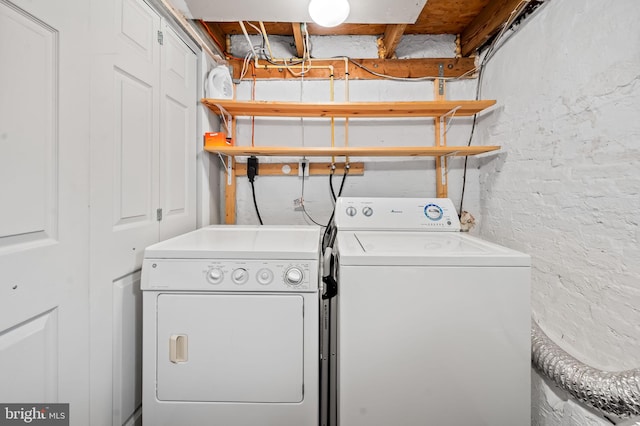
(565,187)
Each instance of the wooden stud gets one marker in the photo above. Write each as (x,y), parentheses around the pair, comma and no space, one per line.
(230,193)
(298,39)
(230,187)
(390,39)
(440,141)
(217,35)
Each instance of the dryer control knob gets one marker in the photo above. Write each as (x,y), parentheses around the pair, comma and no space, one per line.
(351,211)
(265,276)
(294,276)
(240,276)
(367,211)
(215,275)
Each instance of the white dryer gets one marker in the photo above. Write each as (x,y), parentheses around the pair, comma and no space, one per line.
(230,327)
(431,325)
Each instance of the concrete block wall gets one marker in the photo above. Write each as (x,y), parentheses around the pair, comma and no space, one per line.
(566,185)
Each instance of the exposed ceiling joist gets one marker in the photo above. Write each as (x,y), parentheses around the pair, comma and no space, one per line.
(488,22)
(474,21)
(217,34)
(399,68)
(297,37)
(388,43)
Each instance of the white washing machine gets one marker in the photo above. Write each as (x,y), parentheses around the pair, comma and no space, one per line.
(230,327)
(431,325)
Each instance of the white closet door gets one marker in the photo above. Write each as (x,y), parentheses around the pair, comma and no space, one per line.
(125,135)
(44,193)
(177,136)
(131,192)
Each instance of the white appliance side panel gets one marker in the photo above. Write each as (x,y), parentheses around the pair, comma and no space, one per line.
(434,345)
(240,348)
(127,348)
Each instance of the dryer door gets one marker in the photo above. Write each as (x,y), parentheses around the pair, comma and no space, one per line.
(230,347)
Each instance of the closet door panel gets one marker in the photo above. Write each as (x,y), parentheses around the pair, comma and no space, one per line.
(178,138)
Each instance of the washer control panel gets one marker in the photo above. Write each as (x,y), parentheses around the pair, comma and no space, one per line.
(231,275)
(397,214)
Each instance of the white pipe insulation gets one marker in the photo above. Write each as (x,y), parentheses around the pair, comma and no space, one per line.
(616,393)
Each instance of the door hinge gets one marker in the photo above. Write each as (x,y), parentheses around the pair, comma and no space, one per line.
(159,215)
(160,38)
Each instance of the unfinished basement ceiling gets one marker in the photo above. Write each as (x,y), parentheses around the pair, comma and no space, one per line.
(475,21)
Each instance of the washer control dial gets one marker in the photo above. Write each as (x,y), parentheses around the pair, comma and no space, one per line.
(240,276)
(215,275)
(351,211)
(433,211)
(367,211)
(264,276)
(294,276)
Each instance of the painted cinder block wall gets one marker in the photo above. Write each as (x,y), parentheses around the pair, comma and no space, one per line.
(566,186)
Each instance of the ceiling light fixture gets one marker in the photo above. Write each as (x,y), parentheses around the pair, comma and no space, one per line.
(329,13)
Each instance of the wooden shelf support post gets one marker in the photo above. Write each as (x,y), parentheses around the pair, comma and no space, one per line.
(441,140)
(230,184)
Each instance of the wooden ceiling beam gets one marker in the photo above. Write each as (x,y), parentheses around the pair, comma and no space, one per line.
(488,22)
(388,43)
(401,68)
(217,34)
(298,39)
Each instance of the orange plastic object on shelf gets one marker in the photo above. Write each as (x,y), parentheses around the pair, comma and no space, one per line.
(217,139)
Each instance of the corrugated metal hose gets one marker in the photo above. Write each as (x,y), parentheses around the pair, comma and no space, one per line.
(616,393)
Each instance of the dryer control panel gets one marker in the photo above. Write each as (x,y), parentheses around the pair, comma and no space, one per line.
(396,214)
(230,275)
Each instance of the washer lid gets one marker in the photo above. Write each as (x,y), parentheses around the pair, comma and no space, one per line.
(241,242)
(423,248)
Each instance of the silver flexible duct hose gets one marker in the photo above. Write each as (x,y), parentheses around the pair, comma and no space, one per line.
(616,393)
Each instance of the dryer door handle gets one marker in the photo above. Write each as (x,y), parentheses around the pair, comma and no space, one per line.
(178,348)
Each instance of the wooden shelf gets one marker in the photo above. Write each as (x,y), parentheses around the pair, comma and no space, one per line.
(348,109)
(394,151)
(440,110)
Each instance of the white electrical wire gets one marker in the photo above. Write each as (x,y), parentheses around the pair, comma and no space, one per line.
(246,35)
(492,48)
(256,28)
(448,123)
